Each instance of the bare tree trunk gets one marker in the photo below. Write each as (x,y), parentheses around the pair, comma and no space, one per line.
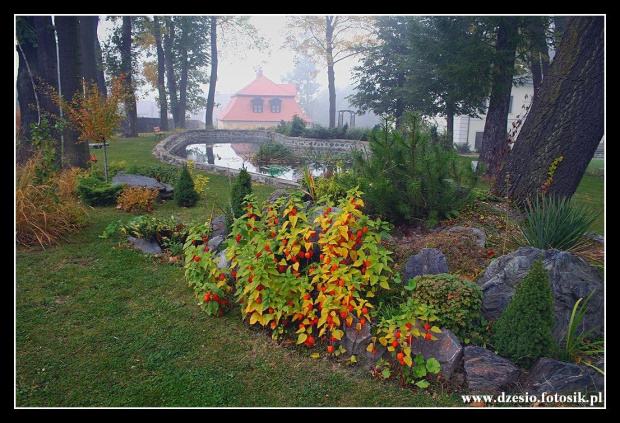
(88,29)
(131,112)
(100,74)
(566,119)
(48,72)
(172,81)
(331,78)
(213,76)
(184,72)
(28,64)
(161,71)
(539,60)
(69,57)
(494,138)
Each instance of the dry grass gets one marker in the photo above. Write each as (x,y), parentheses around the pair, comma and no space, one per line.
(46,210)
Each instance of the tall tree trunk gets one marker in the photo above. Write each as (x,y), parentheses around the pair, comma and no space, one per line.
(494,138)
(539,60)
(331,78)
(449,121)
(184,71)
(161,71)
(88,29)
(172,81)
(566,119)
(26,76)
(131,112)
(75,153)
(48,73)
(213,76)
(100,74)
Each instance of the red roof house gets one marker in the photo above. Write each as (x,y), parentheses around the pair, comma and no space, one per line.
(261,104)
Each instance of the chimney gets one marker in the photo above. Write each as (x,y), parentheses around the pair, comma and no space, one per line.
(259,73)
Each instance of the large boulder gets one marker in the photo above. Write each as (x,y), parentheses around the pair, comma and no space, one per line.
(165,190)
(552,376)
(218,227)
(147,247)
(429,261)
(571,278)
(488,373)
(446,349)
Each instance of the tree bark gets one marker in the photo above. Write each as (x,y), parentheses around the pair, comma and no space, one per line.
(88,29)
(494,139)
(331,78)
(213,76)
(161,71)
(100,74)
(539,60)
(26,74)
(566,118)
(172,81)
(184,72)
(75,153)
(48,74)
(131,112)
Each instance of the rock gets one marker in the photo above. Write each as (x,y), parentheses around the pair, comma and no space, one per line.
(215,242)
(478,235)
(277,194)
(221,261)
(356,342)
(552,376)
(147,247)
(218,227)
(447,350)
(571,278)
(165,190)
(429,261)
(487,372)
(596,237)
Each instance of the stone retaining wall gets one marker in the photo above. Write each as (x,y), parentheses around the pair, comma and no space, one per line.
(169,150)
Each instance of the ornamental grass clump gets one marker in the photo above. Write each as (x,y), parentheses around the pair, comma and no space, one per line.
(523,333)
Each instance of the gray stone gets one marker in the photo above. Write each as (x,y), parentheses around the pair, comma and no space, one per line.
(165,190)
(596,237)
(487,372)
(221,261)
(218,226)
(552,376)
(215,242)
(147,247)
(571,278)
(446,349)
(356,342)
(277,194)
(429,261)
(478,235)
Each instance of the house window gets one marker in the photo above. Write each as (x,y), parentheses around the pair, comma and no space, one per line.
(478,141)
(276,105)
(257,105)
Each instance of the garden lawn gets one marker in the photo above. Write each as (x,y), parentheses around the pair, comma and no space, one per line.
(101,325)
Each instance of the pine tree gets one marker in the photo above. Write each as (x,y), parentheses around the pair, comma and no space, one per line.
(523,333)
(185,194)
(241,187)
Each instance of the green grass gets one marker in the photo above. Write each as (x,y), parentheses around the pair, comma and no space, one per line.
(103,326)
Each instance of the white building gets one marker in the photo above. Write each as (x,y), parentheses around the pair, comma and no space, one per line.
(469,130)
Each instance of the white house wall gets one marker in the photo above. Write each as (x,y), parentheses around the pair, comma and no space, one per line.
(465,127)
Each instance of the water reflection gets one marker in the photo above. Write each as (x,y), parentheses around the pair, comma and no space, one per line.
(224,155)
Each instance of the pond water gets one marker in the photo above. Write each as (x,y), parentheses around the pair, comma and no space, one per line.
(232,157)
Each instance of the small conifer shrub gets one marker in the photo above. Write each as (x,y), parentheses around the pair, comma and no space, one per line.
(523,333)
(185,193)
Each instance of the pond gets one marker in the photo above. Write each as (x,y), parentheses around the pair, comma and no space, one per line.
(238,155)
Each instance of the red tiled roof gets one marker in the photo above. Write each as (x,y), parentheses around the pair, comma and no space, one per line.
(264,86)
(240,106)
